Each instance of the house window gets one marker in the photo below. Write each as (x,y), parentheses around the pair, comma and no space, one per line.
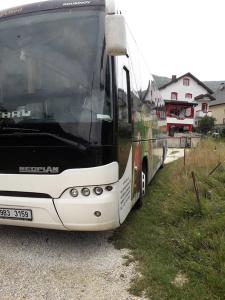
(189,112)
(174,96)
(186,81)
(204,107)
(188,96)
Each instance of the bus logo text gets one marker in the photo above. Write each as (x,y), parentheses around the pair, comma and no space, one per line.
(15,114)
(39,170)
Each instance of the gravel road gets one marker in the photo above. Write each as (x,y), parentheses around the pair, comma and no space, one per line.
(40,264)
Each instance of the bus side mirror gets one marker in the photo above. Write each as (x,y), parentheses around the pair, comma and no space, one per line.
(115,33)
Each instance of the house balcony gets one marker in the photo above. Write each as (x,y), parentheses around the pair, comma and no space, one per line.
(181,121)
(201,114)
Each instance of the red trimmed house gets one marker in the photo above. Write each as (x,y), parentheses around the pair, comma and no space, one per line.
(187,100)
(180,116)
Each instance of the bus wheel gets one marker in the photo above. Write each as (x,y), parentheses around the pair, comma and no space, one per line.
(163,164)
(163,159)
(143,183)
(139,202)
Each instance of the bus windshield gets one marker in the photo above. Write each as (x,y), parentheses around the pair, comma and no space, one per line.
(51,69)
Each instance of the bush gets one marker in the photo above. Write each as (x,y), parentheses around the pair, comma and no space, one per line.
(222,133)
(206,124)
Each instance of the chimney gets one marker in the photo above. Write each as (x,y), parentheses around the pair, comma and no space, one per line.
(174,77)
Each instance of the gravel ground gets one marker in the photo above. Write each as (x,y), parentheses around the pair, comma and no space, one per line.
(40,264)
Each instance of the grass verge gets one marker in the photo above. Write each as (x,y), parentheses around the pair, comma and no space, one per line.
(179,246)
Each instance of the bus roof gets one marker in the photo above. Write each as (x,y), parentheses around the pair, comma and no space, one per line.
(48,5)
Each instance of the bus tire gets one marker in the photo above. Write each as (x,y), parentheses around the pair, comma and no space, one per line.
(139,202)
(163,159)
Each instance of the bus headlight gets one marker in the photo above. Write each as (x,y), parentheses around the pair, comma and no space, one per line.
(98,191)
(85,192)
(74,193)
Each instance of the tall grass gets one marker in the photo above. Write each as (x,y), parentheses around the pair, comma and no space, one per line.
(170,235)
(206,156)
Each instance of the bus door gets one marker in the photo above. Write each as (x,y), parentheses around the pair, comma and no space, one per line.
(124,141)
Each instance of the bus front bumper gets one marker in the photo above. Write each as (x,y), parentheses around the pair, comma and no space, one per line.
(44,214)
(92,213)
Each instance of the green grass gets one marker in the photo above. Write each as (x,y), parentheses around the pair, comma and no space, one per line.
(171,236)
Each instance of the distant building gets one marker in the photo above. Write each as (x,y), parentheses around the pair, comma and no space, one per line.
(217,105)
(203,108)
(187,101)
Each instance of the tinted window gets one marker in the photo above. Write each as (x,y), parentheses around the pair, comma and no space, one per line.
(50,68)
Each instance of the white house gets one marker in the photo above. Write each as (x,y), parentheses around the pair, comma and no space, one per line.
(187,100)
(203,108)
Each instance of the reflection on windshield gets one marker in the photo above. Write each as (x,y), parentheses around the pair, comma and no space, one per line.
(50,69)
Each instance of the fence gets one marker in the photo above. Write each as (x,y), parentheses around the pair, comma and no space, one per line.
(183,142)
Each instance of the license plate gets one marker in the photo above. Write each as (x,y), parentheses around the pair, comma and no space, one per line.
(16,214)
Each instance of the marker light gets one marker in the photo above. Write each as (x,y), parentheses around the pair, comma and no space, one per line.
(74,193)
(109,188)
(85,192)
(98,214)
(98,191)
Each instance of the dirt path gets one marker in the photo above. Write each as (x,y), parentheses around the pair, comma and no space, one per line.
(174,154)
(39,264)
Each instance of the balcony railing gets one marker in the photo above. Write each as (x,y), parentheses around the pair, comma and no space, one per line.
(202,114)
(186,121)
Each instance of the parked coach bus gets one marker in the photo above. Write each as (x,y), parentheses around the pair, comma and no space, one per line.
(82,124)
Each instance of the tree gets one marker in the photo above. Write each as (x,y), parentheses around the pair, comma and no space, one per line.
(206,124)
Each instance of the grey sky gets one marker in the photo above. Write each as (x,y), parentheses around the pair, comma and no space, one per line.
(175,36)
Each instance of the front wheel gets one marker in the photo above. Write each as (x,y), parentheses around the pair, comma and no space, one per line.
(139,202)
(163,159)
(143,183)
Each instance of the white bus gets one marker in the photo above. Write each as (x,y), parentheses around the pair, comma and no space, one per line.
(82,124)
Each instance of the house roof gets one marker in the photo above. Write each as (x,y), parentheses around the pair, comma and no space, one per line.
(219,95)
(188,75)
(213,85)
(162,80)
(175,102)
(211,97)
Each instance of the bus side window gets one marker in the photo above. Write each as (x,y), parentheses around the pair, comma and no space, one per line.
(108,88)
(124,97)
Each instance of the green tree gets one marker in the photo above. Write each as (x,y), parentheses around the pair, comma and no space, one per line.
(206,124)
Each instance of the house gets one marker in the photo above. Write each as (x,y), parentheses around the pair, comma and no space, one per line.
(217,105)
(186,98)
(203,108)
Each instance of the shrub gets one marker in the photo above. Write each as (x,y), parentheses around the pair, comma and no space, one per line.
(206,124)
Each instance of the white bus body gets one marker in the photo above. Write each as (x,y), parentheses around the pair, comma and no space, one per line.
(81,131)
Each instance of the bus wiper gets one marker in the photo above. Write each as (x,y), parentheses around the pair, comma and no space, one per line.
(66,141)
(18,129)
(32,132)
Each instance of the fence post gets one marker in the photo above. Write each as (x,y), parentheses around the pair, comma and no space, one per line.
(215,169)
(196,192)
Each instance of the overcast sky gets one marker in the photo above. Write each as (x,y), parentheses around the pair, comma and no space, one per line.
(175,36)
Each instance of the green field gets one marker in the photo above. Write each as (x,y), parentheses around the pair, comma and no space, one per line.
(178,242)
